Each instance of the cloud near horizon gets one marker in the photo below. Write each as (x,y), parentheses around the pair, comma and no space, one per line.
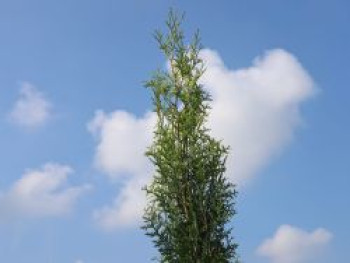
(294,245)
(40,193)
(31,109)
(255,110)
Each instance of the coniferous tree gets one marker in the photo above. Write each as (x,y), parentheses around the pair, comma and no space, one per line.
(190,201)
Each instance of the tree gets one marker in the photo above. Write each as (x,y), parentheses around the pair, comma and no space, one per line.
(190,201)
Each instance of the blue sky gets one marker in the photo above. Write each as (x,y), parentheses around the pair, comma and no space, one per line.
(72,100)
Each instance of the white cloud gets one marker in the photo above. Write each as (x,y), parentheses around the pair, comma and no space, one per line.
(31,109)
(294,245)
(127,207)
(255,110)
(122,141)
(40,193)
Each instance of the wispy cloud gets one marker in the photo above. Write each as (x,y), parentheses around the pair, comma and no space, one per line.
(255,110)
(31,109)
(294,245)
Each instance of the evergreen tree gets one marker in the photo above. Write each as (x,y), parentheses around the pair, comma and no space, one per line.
(190,201)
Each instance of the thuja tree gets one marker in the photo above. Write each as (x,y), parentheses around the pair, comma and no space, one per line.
(190,201)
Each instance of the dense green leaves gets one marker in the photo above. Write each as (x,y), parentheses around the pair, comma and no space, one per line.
(190,200)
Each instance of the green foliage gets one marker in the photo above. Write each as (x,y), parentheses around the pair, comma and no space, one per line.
(190,200)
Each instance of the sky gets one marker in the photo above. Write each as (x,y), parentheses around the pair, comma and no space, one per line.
(75,120)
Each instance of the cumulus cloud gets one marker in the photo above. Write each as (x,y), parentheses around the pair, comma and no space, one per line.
(122,140)
(40,193)
(127,207)
(255,110)
(31,109)
(294,245)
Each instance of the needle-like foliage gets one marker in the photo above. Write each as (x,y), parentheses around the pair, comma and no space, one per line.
(190,201)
